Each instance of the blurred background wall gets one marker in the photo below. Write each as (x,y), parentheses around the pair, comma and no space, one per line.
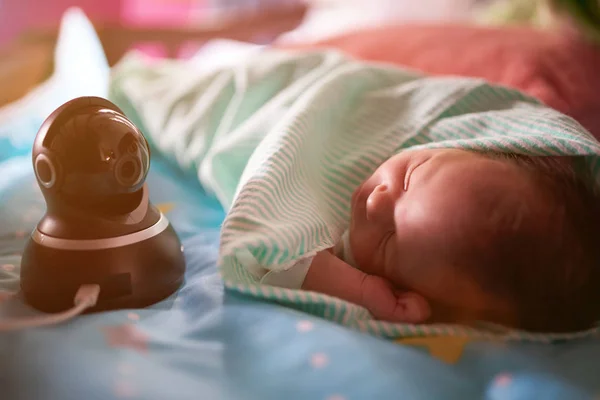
(16,16)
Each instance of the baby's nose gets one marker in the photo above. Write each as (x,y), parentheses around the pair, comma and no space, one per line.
(380,204)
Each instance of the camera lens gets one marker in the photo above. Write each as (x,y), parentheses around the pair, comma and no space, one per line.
(128,172)
(45,171)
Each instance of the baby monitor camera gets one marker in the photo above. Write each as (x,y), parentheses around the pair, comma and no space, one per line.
(100,228)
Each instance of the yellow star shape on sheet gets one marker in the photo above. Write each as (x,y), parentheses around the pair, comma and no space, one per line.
(165,207)
(446,348)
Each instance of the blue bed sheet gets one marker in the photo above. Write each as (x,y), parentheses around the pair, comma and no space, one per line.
(202,343)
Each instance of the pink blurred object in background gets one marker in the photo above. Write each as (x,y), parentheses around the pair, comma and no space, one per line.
(327,16)
(158,12)
(19,15)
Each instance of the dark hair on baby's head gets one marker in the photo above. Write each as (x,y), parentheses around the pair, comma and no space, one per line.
(543,257)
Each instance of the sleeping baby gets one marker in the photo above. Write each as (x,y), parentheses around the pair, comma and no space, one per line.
(456,236)
(372,196)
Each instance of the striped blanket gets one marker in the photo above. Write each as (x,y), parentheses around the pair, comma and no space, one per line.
(283,139)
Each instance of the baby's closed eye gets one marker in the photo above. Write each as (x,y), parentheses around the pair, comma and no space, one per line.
(387,253)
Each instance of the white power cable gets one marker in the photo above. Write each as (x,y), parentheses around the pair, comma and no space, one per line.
(86,297)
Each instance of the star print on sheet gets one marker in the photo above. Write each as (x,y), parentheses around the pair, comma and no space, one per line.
(319,360)
(503,379)
(447,349)
(304,326)
(126,336)
(165,207)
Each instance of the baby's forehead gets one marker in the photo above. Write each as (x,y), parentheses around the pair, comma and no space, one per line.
(459,167)
(459,190)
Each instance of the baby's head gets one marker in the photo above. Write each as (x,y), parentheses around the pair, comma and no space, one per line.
(471,237)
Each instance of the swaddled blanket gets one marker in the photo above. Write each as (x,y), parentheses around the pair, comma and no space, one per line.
(284,139)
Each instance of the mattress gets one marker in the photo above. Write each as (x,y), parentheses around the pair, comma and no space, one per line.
(204,343)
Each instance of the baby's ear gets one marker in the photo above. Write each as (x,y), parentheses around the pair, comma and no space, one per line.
(413,307)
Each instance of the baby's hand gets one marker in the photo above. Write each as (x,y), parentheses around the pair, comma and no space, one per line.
(331,275)
(386,303)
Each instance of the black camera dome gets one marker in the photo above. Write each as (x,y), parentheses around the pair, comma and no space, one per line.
(88,149)
(100,226)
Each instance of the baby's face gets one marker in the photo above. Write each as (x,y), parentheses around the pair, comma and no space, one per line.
(416,205)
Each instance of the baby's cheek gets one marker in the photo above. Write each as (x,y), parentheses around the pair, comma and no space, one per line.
(411,214)
(422,218)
